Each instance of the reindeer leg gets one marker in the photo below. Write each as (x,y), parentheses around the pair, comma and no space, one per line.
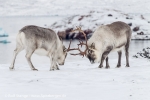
(16,51)
(119,59)
(103,58)
(104,55)
(107,64)
(28,57)
(127,54)
(52,67)
(56,66)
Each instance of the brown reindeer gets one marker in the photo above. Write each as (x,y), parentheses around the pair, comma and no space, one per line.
(107,38)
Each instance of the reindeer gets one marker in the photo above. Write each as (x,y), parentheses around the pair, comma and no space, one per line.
(107,38)
(42,41)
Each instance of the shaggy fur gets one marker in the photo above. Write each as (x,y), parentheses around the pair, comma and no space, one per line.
(107,38)
(42,41)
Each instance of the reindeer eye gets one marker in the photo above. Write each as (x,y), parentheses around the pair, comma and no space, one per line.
(65,50)
(90,51)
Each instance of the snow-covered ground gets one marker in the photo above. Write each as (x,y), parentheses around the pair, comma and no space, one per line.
(93,19)
(76,80)
(69,7)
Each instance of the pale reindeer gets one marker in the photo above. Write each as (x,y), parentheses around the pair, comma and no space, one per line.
(42,41)
(107,38)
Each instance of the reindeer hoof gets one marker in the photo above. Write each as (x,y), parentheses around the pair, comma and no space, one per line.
(35,69)
(57,68)
(107,67)
(118,66)
(127,66)
(51,70)
(100,66)
(11,68)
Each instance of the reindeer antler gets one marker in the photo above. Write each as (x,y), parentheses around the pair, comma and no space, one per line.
(69,47)
(83,53)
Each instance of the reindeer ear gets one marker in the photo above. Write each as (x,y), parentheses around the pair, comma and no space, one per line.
(93,45)
(61,39)
(64,49)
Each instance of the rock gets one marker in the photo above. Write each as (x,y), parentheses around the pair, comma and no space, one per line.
(130,24)
(81,36)
(89,36)
(80,18)
(110,15)
(138,34)
(128,18)
(92,11)
(62,34)
(142,17)
(88,31)
(136,29)
(96,24)
(69,22)
(68,30)
(71,36)
(59,26)
(87,15)
(135,56)
(67,34)
(141,33)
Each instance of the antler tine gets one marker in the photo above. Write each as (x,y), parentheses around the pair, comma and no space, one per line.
(84,36)
(83,53)
(69,46)
(77,54)
(81,42)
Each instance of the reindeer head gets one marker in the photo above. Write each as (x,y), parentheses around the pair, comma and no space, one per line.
(62,54)
(93,54)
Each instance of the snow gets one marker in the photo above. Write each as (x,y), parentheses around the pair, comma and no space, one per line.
(72,10)
(93,19)
(77,79)
(69,7)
